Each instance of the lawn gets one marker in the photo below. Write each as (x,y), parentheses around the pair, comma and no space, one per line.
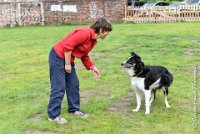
(25,88)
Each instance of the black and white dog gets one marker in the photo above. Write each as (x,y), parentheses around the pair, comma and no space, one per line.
(146,80)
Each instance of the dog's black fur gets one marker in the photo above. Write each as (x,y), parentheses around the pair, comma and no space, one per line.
(154,77)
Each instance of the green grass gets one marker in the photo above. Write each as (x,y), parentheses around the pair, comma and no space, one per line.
(25,88)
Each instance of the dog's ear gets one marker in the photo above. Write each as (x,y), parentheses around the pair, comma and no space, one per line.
(137,58)
(133,53)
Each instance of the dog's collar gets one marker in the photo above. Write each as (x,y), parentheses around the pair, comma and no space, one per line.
(136,75)
(139,73)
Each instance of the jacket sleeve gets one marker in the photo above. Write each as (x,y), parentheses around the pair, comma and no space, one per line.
(78,38)
(87,62)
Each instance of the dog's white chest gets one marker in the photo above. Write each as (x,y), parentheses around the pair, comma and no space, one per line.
(137,83)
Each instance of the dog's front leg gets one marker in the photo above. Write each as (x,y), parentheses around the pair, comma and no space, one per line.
(138,98)
(147,100)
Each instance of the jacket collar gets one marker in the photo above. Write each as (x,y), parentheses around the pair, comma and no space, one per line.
(93,34)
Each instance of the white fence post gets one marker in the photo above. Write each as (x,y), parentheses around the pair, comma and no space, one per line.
(18,14)
(42,13)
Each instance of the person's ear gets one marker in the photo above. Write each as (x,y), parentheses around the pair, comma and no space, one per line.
(100,30)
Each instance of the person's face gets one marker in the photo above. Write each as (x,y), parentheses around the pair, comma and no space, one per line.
(103,35)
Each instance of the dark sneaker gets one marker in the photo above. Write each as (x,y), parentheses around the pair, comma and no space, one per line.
(80,113)
(59,120)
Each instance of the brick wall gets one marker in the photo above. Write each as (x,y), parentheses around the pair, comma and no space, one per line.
(32,12)
(19,1)
(83,11)
(20,13)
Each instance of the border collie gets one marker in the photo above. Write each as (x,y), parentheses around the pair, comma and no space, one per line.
(146,80)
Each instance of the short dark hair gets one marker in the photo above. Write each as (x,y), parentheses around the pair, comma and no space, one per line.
(102,24)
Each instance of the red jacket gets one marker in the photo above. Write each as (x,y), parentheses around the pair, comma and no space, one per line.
(80,42)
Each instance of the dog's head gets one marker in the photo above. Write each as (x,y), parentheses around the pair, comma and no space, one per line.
(134,65)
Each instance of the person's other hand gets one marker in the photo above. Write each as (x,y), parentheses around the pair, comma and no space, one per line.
(68,68)
(95,72)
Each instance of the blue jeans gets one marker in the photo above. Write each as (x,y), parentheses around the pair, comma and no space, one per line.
(62,81)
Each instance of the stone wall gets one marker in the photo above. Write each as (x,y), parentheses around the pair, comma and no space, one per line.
(32,12)
(21,13)
(83,11)
(13,1)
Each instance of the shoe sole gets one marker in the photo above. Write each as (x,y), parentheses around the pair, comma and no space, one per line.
(56,121)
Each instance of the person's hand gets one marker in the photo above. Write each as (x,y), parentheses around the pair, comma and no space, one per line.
(68,68)
(95,72)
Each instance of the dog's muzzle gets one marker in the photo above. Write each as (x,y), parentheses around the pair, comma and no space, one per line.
(125,65)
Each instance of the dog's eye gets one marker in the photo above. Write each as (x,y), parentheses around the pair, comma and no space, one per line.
(131,62)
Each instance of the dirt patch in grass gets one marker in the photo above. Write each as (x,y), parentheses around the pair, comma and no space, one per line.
(175,38)
(36,65)
(190,51)
(3,78)
(36,117)
(7,76)
(38,132)
(108,59)
(100,55)
(196,41)
(96,54)
(80,66)
(88,94)
(124,105)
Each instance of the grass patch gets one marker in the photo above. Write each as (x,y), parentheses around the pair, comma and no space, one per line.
(25,88)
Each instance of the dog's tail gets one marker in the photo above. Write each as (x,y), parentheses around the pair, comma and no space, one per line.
(166,79)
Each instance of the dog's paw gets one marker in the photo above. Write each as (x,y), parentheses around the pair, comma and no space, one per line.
(147,111)
(168,106)
(135,110)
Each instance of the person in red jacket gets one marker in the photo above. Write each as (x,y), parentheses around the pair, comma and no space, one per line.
(63,78)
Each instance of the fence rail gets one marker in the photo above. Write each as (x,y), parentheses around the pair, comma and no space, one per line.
(162,14)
